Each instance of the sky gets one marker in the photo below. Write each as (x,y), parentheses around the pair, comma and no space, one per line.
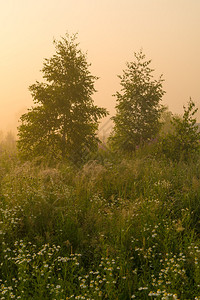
(110,31)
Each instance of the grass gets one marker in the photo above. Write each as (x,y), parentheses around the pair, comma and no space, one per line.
(112,229)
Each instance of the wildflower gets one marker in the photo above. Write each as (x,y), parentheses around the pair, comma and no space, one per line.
(152,294)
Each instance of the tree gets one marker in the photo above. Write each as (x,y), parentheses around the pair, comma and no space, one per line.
(183,142)
(64,121)
(138,106)
(166,121)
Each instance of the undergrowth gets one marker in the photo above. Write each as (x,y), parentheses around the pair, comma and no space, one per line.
(111,229)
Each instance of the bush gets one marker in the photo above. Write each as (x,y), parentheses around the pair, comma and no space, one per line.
(183,142)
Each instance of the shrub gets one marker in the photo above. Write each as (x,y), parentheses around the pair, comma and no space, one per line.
(183,142)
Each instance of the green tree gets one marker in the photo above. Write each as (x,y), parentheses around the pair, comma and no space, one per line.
(64,120)
(138,106)
(183,142)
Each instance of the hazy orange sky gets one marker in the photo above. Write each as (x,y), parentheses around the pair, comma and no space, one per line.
(110,31)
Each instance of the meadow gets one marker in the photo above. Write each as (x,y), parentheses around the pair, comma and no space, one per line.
(113,228)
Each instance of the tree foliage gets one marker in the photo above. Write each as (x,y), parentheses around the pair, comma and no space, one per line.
(64,120)
(138,106)
(183,142)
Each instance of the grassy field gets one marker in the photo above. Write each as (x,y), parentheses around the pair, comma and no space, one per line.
(115,228)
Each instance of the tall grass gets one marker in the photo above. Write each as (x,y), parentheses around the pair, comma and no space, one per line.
(112,229)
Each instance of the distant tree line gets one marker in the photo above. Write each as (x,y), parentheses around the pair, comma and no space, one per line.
(63,122)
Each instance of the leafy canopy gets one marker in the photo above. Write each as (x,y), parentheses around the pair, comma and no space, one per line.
(64,120)
(138,106)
